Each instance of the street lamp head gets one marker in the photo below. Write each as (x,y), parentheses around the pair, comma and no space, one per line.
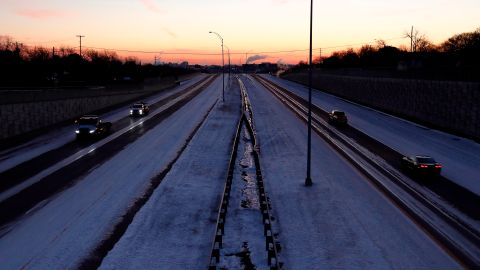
(223,65)
(218,35)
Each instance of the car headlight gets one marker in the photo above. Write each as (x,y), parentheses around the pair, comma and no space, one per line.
(77,131)
(140,111)
(92,131)
(131,111)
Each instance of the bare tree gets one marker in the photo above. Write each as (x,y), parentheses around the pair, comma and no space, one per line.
(380,43)
(462,41)
(38,54)
(6,43)
(424,45)
(64,51)
(418,42)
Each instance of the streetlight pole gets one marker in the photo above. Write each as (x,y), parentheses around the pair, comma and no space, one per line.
(308,179)
(229,65)
(223,66)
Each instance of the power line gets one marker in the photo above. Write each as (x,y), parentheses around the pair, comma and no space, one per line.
(214,54)
(242,53)
(140,51)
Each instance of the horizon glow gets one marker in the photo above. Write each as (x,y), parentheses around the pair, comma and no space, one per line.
(264,27)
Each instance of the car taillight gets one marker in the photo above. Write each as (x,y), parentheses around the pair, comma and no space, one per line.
(423,166)
(438,166)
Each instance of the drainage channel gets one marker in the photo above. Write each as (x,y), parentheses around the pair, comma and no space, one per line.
(242,248)
(244,238)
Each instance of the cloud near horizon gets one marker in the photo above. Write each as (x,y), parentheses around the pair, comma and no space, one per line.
(41,13)
(151,5)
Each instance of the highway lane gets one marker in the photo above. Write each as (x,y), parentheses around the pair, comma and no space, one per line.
(458,155)
(29,167)
(62,230)
(61,135)
(21,198)
(342,221)
(458,233)
(450,193)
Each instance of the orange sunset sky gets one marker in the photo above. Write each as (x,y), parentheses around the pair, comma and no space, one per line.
(178,30)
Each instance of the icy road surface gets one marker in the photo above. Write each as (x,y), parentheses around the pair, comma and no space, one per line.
(63,230)
(342,221)
(460,156)
(58,137)
(175,228)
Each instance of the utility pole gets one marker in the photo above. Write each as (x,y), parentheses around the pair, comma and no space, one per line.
(80,36)
(53,51)
(320,55)
(411,40)
(155,63)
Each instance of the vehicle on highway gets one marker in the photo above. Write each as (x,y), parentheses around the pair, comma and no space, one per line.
(337,117)
(91,126)
(139,109)
(421,164)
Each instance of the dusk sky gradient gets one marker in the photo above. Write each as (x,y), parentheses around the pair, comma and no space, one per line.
(254,26)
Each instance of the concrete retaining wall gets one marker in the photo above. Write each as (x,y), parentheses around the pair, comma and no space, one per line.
(450,106)
(27,111)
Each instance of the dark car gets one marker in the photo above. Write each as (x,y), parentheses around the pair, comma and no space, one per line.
(91,126)
(421,164)
(139,109)
(337,117)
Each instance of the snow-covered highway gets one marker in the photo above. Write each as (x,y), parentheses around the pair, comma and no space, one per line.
(460,156)
(341,222)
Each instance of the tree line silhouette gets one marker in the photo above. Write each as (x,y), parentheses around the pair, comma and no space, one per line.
(39,66)
(457,58)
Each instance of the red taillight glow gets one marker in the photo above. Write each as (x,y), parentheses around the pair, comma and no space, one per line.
(438,166)
(423,166)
